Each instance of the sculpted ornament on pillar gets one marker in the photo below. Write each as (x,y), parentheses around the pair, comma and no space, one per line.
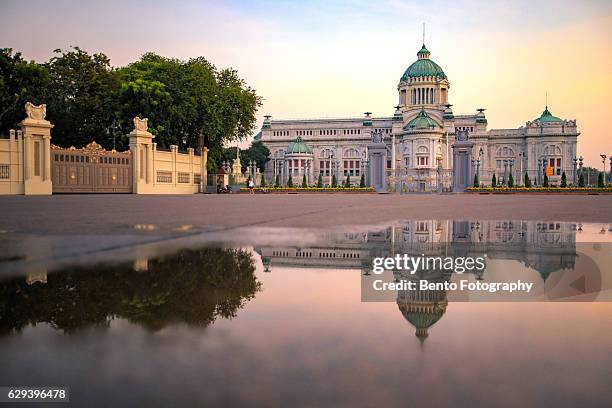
(140,124)
(36,112)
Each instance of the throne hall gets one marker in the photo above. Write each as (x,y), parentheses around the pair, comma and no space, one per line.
(418,145)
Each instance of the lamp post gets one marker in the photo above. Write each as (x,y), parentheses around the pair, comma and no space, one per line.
(610,175)
(603,161)
(521,159)
(512,169)
(472,172)
(580,160)
(480,154)
(539,172)
(574,165)
(331,158)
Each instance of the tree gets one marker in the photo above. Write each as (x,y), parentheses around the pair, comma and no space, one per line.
(320,181)
(527,180)
(262,183)
(347,182)
(600,180)
(563,180)
(277,181)
(290,182)
(510,180)
(494,181)
(258,152)
(476,182)
(581,180)
(545,184)
(82,98)
(20,82)
(334,182)
(362,181)
(304,183)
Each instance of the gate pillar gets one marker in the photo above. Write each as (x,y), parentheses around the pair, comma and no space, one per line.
(141,146)
(36,150)
(462,158)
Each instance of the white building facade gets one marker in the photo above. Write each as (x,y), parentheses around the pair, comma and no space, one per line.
(419,139)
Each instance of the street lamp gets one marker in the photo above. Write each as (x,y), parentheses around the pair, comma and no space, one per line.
(574,164)
(603,160)
(522,156)
(539,172)
(580,160)
(505,181)
(610,168)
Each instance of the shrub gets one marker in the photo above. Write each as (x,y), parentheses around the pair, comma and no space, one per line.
(581,180)
(347,183)
(304,184)
(545,181)
(290,182)
(262,183)
(494,181)
(277,181)
(563,180)
(527,180)
(320,181)
(362,181)
(334,181)
(600,180)
(476,182)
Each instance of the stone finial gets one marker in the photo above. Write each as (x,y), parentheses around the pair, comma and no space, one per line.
(36,112)
(141,124)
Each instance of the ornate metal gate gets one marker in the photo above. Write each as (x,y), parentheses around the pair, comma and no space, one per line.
(91,169)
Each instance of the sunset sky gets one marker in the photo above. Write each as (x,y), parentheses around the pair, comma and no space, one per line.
(331,58)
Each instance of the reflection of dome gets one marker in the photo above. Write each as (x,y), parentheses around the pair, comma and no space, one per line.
(423,67)
(547,117)
(423,309)
(298,147)
(422,121)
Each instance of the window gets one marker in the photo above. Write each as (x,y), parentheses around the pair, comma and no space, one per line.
(164,176)
(183,177)
(423,160)
(197,178)
(5,172)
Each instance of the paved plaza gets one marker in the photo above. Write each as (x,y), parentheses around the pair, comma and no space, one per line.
(92,214)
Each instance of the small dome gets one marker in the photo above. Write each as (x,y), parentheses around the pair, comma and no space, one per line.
(423,67)
(547,117)
(422,121)
(298,147)
(257,137)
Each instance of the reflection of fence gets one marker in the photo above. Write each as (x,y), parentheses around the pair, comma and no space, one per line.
(91,169)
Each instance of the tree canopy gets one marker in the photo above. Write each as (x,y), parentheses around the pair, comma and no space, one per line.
(88,99)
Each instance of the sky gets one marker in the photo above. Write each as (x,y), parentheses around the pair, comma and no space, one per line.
(339,58)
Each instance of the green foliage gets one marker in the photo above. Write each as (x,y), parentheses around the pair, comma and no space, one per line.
(290,182)
(527,180)
(262,182)
(476,182)
(362,183)
(304,183)
(581,182)
(186,102)
(320,181)
(20,81)
(600,180)
(545,184)
(563,180)
(334,182)
(494,181)
(277,181)
(347,182)
(510,180)
(257,152)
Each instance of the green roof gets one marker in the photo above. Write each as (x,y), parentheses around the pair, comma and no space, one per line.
(257,137)
(422,121)
(298,147)
(547,117)
(423,67)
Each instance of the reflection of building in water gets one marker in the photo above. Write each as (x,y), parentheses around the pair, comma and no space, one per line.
(38,276)
(545,247)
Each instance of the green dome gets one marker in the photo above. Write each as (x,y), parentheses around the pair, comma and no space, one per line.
(298,147)
(423,67)
(422,121)
(547,117)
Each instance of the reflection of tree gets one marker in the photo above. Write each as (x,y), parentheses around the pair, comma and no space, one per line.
(192,286)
